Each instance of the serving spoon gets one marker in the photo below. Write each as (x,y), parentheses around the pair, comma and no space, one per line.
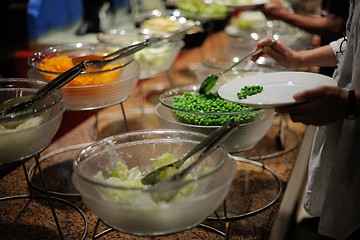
(208,145)
(211,80)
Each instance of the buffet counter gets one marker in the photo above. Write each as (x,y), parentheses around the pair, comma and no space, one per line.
(265,171)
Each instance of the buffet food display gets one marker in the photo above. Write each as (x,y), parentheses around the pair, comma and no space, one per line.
(107,173)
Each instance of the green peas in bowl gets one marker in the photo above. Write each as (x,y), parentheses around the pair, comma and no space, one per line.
(185,108)
(210,109)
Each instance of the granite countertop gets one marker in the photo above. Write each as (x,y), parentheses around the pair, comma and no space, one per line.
(255,186)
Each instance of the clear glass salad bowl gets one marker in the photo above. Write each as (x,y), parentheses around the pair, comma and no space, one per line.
(107,174)
(94,88)
(163,23)
(26,133)
(154,59)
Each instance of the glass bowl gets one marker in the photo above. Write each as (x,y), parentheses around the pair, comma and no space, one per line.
(163,23)
(133,208)
(214,17)
(24,134)
(94,88)
(153,60)
(253,123)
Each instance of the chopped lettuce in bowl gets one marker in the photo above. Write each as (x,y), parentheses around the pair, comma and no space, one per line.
(108,177)
(131,178)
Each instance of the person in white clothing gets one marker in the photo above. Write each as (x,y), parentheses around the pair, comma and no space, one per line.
(333,188)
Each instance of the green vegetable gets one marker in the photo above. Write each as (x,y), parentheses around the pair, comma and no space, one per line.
(163,160)
(211,109)
(153,57)
(244,25)
(131,178)
(249,90)
(198,8)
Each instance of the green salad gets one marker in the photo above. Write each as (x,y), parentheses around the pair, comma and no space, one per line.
(200,9)
(153,57)
(129,179)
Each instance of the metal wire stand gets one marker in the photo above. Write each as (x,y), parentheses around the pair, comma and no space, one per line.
(284,130)
(47,196)
(223,215)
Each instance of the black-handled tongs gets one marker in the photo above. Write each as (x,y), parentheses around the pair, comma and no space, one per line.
(207,146)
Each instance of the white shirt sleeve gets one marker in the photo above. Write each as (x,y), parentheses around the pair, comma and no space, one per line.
(335,46)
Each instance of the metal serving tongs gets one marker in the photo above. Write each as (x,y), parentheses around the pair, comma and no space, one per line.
(100,61)
(208,145)
(160,189)
(24,102)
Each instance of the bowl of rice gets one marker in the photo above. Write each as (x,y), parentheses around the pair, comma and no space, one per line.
(185,108)
(94,88)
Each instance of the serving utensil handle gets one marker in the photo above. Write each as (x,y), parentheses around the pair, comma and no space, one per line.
(217,138)
(53,85)
(61,80)
(209,143)
(254,52)
(212,138)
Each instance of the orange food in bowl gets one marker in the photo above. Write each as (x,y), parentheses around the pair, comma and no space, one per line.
(91,76)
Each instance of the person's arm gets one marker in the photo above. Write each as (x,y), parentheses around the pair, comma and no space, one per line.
(327,26)
(321,57)
(288,58)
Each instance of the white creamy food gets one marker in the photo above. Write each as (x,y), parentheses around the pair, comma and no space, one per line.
(19,141)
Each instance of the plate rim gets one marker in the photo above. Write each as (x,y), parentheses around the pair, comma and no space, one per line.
(254,4)
(331,82)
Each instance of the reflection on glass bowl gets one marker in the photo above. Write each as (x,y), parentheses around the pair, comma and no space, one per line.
(94,88)
(254,123)
(164,23)
(154,59)
(26,133)
(133,209)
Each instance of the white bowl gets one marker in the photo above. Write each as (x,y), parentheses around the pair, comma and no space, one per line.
(106,87)
(24,134)
(132,209)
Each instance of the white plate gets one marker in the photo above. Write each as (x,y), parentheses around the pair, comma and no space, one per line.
(279,87)
(237,3)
